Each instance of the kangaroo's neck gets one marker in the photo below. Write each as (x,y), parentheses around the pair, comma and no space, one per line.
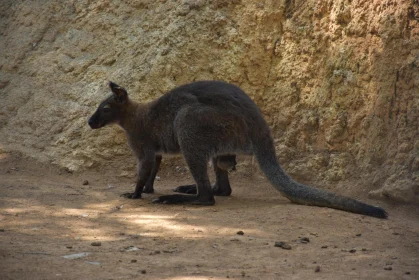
(133,116)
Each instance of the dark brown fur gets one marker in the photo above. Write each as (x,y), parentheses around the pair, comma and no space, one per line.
(207,120)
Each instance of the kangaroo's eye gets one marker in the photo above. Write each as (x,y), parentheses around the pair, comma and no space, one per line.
(107,108)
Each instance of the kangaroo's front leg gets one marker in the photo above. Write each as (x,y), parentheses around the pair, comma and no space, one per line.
(145,167)
(149,186)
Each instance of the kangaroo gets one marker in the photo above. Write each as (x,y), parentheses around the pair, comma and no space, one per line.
(206,121)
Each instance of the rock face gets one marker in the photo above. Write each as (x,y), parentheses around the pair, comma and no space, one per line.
(337,80)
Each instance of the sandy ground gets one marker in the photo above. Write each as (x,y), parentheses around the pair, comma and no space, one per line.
(47,213)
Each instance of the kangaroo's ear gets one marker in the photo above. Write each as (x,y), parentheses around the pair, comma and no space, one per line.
(121,94)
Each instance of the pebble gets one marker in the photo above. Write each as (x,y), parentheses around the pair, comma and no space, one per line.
(240,232)
(1,229)
(133,261)
(129,249)
(352,251)
(358,234)
(155,252)
(143,271)
(76,256)
(317,269)
(282,245)
(96,243)
(304,240)
(324,246)
(85,183)
(95,263)
(388,268)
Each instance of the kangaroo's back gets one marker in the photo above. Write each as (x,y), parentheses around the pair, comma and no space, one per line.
(217,95)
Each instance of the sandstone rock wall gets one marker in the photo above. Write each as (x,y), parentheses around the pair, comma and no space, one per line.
(337,80)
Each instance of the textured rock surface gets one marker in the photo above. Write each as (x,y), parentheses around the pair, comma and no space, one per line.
(337,80)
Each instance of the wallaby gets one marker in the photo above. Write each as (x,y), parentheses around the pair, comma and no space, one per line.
(206,120)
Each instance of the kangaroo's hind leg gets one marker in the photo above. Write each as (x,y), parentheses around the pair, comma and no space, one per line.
(221,187)
(204,195)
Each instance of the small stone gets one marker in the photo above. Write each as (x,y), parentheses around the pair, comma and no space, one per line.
(133,261)
(69,247)
(407,273)
(358,234)
(352,251)
(76,256)
(85,183)
(388,268)
(317,269)
(304,240)
(324,246)
(129,249)
(282,245)
(95,263)
(143,271)
(96,243)
(155,252)
(1,229)
(364,249)
(240,232)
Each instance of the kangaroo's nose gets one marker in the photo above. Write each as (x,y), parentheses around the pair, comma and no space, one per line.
(90,122)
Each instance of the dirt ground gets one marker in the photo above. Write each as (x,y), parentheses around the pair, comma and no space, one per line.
(47,213)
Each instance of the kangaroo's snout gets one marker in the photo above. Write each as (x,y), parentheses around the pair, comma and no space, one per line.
(94,123)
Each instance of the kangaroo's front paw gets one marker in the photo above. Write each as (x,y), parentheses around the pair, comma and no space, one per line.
(131,195)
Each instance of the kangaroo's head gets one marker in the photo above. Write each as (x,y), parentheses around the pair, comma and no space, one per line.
(112,109)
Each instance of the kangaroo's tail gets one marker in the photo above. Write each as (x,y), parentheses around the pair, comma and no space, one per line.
(298,193)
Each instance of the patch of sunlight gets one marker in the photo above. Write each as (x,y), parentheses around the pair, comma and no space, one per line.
(14,211)
(3,153)
(158,225)
(196,278)
(104,206)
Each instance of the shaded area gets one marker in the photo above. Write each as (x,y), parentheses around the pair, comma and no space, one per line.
(47,213)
